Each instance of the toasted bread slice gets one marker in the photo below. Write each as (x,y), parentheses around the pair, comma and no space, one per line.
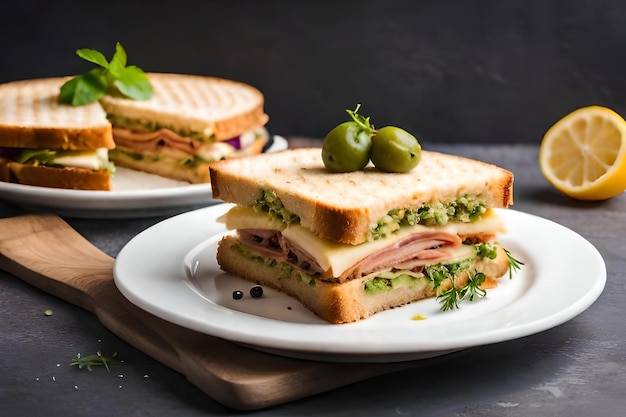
(31,118)
(55,177)
(341,302)
(190,103)
(343,207)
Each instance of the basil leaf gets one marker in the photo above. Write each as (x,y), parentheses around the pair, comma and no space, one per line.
(84,89)
(68,89)
(94,56)
(134,83)
(118,61)
(109,78)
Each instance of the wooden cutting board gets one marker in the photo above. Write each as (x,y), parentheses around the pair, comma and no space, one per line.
(47,253)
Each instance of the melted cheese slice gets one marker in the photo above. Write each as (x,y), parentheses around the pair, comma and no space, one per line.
(338,257)
(84,159)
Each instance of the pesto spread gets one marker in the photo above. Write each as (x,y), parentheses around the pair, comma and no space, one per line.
(286,271)
(270,203)
(379,285)
(464,209)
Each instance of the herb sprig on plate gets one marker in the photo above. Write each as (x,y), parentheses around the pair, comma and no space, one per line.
(470,292)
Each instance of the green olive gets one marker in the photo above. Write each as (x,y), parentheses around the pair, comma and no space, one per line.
(395,150)
(346,148)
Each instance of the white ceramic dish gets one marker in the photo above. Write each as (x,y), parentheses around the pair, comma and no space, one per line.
(170,271)
(135,194)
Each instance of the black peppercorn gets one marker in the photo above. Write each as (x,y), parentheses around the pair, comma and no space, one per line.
(256,292)
(237,295)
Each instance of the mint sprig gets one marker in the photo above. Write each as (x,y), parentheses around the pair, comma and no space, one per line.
(109,78)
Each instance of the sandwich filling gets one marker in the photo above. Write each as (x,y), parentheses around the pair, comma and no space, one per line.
(94,160)
(406,251)
(189,148)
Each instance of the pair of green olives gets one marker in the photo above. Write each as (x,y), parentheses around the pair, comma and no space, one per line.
(351,145)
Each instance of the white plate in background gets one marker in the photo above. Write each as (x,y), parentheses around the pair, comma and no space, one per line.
(135,194)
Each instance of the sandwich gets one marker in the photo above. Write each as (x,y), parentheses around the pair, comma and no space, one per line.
(48,144)
(351,245)
(189,122)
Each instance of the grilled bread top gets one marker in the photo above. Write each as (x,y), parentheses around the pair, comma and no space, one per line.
(31,117)
(213,106)
(343,207)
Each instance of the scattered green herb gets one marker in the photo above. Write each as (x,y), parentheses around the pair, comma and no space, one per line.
(109,78)
(95,360)
(47,313)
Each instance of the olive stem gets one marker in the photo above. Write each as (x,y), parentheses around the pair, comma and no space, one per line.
(363,122)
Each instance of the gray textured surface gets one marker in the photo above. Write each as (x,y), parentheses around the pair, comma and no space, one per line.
(576,369)
(448,71)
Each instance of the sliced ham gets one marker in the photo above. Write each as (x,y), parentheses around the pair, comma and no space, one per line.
(412,252)
(154,141)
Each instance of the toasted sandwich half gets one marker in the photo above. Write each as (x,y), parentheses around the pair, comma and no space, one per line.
(190,122)
(45,143)
(353,244)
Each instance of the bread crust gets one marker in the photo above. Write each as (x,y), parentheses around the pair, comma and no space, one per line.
(57,139)
(340,303)
(57,126)
(55,177)
(344,207)
(223,107)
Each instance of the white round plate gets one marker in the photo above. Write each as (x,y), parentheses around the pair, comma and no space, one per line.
(135,194)
(170,271)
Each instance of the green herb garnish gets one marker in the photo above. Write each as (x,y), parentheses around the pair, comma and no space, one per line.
(95,360)
(113,78)
(516,265)
(470,292)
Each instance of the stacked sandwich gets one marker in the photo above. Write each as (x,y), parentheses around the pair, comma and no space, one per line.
(49,144)
(350,245)
(189,122)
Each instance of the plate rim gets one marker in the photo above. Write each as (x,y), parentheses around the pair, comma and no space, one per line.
(344,350)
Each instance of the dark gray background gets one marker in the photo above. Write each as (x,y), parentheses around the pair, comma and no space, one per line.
(448,71)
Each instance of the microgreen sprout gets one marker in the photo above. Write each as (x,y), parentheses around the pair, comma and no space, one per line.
(95,360)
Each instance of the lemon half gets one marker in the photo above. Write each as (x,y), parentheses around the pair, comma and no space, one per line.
(584,154)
